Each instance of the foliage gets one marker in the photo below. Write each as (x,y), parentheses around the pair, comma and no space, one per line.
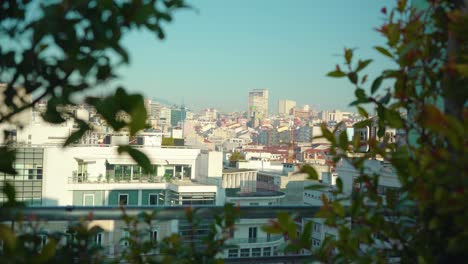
(425,222)
(59,50)
(24,241)
(170,141)
(236,156)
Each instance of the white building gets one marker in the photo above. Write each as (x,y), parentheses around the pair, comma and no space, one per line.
(285,107)
(258,104)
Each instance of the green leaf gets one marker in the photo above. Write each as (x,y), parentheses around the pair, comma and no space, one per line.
(313,175)
(348,55)
(362,112)
(76,135)
(339,184)
(8,237)
(343,140)
(138,156)
(384,51)
(7,157)
(353,77)
(327,134)
(338,208)
(47,252)
(376,84)
(336,74)
(362,64)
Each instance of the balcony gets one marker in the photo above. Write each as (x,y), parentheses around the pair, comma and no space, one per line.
(85,177)
(253,240)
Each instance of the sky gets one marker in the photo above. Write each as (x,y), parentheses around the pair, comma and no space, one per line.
(215,54)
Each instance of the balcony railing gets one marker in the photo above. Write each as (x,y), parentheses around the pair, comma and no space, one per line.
(249,240)
(85,177)
(74,214)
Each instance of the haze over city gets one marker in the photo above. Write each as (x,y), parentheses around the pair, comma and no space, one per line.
(217,52)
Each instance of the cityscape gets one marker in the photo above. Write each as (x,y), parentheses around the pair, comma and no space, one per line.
(251,158)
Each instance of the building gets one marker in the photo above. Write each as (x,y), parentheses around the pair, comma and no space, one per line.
(258,104)
(178,116)
(285,107)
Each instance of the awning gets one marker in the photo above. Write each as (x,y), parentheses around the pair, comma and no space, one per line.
(85,160)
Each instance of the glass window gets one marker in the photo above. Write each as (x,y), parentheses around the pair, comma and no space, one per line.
(256,252)
(98,239)
(252,234)
(233,253)
(153,199)
(124,240)
(245,252)
(267,251)
(154,235)
(123,199)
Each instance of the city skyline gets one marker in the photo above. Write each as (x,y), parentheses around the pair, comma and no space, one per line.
(224,50)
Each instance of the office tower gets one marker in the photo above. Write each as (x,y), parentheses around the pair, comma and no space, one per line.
(285,107)
(178,116)
(258,104)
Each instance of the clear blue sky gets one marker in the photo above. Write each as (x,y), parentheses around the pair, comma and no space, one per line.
(214,56)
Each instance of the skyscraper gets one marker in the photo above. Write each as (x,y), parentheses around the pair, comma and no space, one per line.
(258,104)
(285,106)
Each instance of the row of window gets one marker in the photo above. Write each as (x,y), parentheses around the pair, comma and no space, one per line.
(252,252)
(99,237)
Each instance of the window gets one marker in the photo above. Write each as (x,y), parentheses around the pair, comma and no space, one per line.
(153,199)
(315,242)
(154,235)
(245,252)
(253,203)
(267,251)
(43,238)
(233,253)
(252,234)
(124,240)
(88,199)
(98,239)
(256,252)
(317,227)
(123,199)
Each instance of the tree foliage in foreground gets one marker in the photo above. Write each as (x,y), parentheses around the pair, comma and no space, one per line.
(426,100)
(58,50)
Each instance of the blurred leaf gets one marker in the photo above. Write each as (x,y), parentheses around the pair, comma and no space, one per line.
(353,77)
(362,64)
(311,172)
(376,84)
(384,51)
(78,134)
(336,74)
(348,54)
(138,156)
(7,157)
(8,237)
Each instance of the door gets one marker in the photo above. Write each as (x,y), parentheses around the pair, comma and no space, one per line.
(88,199)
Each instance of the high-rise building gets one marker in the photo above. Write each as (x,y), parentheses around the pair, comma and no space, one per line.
(258,104)
(178,116)
(285,107)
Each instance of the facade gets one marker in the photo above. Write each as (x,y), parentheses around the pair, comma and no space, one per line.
(178,116)
(286,107)
(258,104)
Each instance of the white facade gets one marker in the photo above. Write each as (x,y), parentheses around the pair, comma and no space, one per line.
(285,107)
